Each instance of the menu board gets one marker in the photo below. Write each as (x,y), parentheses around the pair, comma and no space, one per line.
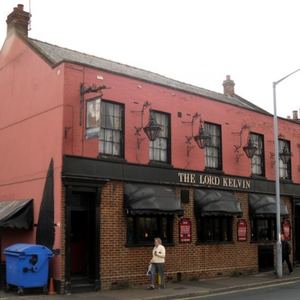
(242,231)
(185,231)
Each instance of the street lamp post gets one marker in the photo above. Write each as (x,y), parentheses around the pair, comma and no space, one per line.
(277,184)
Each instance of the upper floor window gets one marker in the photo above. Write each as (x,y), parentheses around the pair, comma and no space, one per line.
(160,148)
(284,169)
(111,132)
(257,161)
(213,157)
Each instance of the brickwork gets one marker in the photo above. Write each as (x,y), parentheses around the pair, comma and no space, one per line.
(123,266)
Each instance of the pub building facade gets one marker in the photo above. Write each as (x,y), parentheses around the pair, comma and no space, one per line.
(99,158)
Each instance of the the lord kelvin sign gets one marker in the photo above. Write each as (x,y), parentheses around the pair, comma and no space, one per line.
(214,181)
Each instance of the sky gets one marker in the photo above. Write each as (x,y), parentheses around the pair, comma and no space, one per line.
(198,42)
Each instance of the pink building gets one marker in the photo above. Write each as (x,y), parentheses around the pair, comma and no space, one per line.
(97,190)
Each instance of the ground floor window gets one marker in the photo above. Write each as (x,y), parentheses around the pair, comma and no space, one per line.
(263,229)
(214,229)
(142,230)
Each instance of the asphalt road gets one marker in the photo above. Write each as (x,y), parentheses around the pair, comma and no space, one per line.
(284,290)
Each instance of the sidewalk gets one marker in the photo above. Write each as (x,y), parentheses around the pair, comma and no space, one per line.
(173,290)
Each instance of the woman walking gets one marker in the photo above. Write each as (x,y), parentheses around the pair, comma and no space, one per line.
(158,263)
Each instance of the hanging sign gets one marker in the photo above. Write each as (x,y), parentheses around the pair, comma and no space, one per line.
(242,231)
(185,231)
(93,121)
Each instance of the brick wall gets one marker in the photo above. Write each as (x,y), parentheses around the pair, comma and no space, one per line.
(122,266)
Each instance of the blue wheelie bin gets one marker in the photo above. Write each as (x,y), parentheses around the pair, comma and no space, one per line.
(27,266)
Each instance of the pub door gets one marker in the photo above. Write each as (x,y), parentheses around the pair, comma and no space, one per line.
(82,240)
(296,231)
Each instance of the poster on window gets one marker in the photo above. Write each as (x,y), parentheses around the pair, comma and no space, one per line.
(93,113)
(242,231)
(286,229)
(185,231)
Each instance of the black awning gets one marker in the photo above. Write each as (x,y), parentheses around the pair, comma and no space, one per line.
(264,206)
(148,199)
(216,203)
(16,213)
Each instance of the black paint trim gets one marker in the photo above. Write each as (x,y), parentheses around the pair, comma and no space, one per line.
(93,171)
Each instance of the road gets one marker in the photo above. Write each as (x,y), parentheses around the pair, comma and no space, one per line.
(285,290)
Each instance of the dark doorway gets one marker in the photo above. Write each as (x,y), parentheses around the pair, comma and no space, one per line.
(297,233)
(79,243)
(83,235)
(82,239)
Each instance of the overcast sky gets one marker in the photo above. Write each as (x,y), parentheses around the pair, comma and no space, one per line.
(198,42)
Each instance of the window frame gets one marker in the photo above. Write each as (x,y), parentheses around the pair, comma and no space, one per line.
(208,147)
(271,235)
(285,168)
(104,130)
(135,233)
(202,228)
(258,140)
(164,136)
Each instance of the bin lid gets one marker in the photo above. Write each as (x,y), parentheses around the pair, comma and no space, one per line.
(28,249)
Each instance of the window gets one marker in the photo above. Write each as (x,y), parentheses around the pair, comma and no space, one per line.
(213,148)
(111,133)
(263,229)
(257,161)
(214,229)
(160,148)
(284,169)
(142,230)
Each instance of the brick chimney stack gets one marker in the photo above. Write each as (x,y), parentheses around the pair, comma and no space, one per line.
(295,115)
(18,21)
(228,85)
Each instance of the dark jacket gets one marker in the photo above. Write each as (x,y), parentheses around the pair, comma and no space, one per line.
(286,248)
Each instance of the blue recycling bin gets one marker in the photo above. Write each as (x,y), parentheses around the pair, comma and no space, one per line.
(27,266)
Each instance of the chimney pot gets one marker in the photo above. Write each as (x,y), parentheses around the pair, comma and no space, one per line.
(20,7)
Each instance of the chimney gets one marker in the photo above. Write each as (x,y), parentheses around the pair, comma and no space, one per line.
(228,85)
(18,21)
(295,115)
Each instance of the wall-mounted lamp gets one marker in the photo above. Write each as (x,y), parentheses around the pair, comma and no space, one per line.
(250,148)
(285,155)
(202,138)
(152,129)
